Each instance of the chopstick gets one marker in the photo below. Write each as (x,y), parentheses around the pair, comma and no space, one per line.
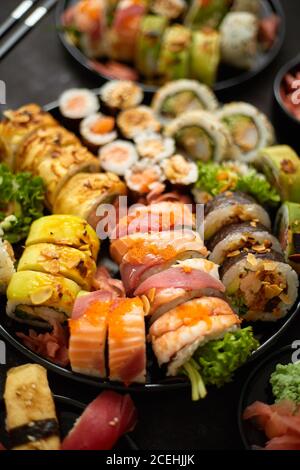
(26,26)
(16,15)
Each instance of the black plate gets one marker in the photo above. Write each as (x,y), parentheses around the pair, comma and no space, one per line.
(228,77)
(258,388)
(68,411)
(266,333)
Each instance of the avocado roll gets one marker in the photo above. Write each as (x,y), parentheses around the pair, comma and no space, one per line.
(35,298)
(84,193)
(180,96)
(7,267)
(281,166)
(233,239)
(288,230)
(79,266)
(117,95)
(260,286)
(174,57)
(135,120)
(31,420)
(148,45)
(171,9)
(203,13)
(229,208)
(201,136)
(251,6)
(17,125)
(239,39)
(250,129)
(67,230)
(205,56)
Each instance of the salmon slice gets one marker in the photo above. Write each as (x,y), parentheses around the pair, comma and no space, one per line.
(127,341)
(87,340)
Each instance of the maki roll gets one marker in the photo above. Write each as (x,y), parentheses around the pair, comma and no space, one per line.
(233,239)
(250,129)
(205,56)
(67,230)
(201,136)
(239,39)
(7,267)
(154,146)
(229,208)
(78,103)
(31,420)
(97,130)
(118,95)
(252,6)
(180,96)
(179,170)
(281,166)
(149,44)
(37,298)
(17,125)
(288,230)
(79,266)
(118,157)
(171,9)
(173,62)
(85,192)
(143,176)
(135,120)
(203,13)
(260,286)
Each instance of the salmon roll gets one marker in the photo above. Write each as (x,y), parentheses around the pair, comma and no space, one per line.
(17,125)
(118,95)
(118,157)
(127,341)
(135,120)
(260,286)
(143,176)
(88,335)
(228,208)
(84,193)
(78,103)
(97,130)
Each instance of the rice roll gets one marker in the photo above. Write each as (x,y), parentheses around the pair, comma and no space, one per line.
(67,230)
(31,420)
(173,61)
(85,192)
(206,14)
(250,129)
(79,266)
(97,130)
(36,298)
(7,264)
(201,135)
(143,176)
(149,44)
(229,208)
(171,9)
(78,103)
(180,96)
(260,286)
(118,95)
(179,170)
(154,146)
(17,125)
(239,39)
(288,230)
(233,239)
(281,166)
(251,6)
(205,56)
(135,120)
(118,157)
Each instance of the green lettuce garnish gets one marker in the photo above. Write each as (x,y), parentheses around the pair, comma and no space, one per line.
(21,202)
(285,382)
(216,361)
(216,178)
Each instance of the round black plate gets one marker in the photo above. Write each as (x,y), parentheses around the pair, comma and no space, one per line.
(258,388)
(68,411)
(228,77)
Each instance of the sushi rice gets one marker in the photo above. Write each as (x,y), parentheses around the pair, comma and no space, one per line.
(121,94)
(118,157)
(98,129)
(78,103)
(154,146)
(180,170)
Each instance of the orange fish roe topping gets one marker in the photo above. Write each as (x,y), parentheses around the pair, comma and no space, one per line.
(187,269)
(118,328)
(191,314)
(103,125)
(94,314)
(141,250)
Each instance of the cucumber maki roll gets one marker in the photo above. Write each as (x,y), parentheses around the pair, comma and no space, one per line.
(288,230)
(203,13)
(250,129)
(281,166)
(239,39)
(148,44)
(201,136)
(174,56)
(205,56)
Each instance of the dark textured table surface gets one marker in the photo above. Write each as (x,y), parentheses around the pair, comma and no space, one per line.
(39,69)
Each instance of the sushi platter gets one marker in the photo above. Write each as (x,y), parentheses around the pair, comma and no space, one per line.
(222,43)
